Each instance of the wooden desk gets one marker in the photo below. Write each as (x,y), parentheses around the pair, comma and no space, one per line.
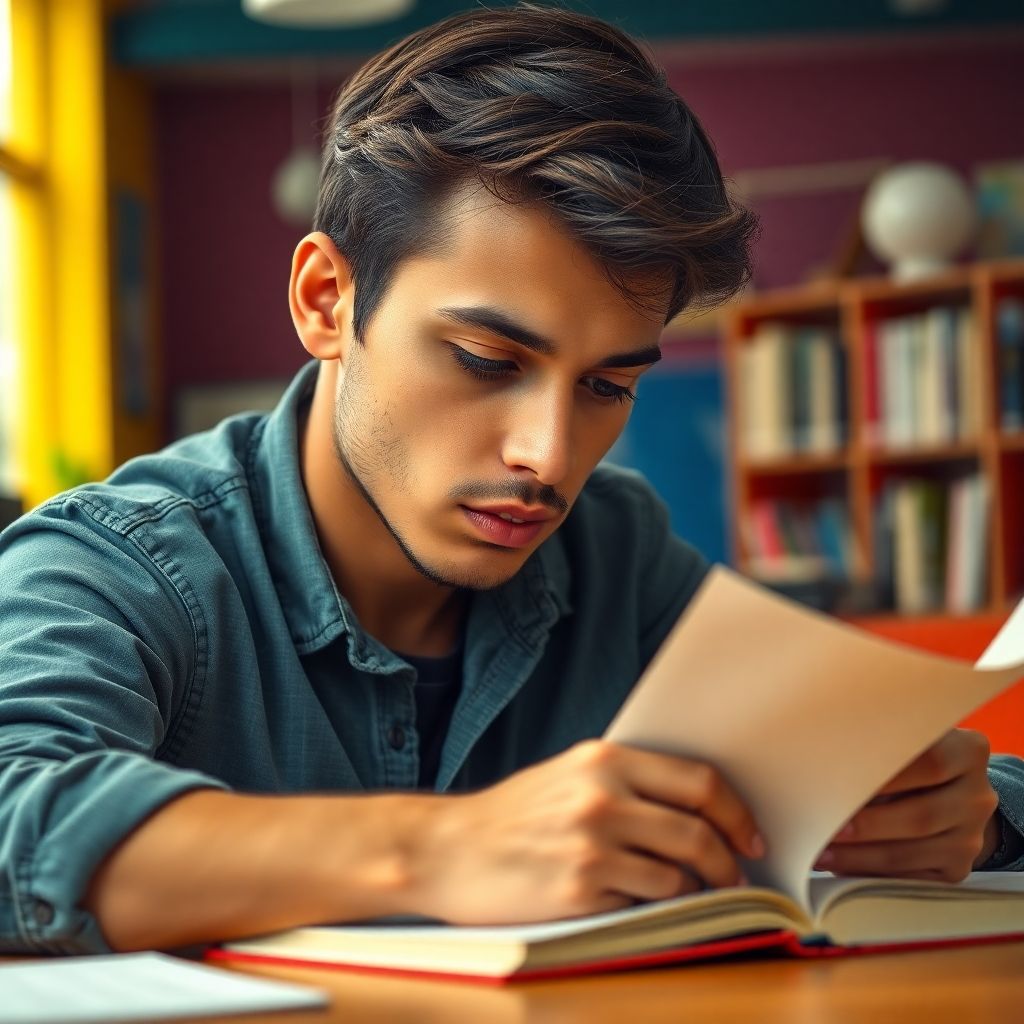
(959,986)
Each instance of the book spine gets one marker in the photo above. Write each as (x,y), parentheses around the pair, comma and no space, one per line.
(871,386)
(909,553)
(945,326)
(912,377)
(977,533)
(884,541)
(824,414)
(833,541)
(956,547)
(968,394)
(932,498)
(1010,341)
(932,383)
(800,391)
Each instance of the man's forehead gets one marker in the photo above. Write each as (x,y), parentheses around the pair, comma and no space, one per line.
(475,223)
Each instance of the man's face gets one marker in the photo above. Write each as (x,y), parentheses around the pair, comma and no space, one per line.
(445,424)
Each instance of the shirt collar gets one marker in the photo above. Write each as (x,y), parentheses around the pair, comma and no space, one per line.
(316,613)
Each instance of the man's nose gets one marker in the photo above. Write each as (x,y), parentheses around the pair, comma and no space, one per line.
(539,436)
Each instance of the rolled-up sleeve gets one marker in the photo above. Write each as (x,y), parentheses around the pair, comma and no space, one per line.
(1006,774)
(99,648)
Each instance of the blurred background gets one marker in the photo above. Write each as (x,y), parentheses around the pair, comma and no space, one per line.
(848,431)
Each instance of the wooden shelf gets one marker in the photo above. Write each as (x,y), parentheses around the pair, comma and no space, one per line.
(852,308)
(818,298)
(1005,270)
(793,464)
(883,289)
(922,455)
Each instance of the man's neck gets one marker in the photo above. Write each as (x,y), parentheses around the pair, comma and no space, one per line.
(393,602)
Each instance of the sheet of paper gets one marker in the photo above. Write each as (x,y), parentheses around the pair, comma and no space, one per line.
(806,716)
(136,987)
(1008,646)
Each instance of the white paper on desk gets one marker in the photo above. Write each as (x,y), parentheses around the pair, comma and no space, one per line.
(136,987)
(807,717)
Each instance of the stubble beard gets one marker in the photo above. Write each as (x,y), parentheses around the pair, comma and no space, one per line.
(358,460)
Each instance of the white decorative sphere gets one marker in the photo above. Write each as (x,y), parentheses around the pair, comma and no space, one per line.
(917,217)
(295,184)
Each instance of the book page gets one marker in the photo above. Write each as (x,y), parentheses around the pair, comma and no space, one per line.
(136,986)
(827,889)
(872,911)
(806,716)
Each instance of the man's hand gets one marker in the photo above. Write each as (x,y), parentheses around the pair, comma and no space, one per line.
(935,820)
(596,828)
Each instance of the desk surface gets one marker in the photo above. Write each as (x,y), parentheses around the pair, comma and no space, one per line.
(957,986)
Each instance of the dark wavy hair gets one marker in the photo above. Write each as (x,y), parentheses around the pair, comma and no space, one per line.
(536,104)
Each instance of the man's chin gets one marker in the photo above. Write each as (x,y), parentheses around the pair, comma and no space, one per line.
(483,578)
(486,571)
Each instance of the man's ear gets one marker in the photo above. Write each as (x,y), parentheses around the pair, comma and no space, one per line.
(321,294)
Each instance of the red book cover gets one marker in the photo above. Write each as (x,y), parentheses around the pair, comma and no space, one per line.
(786,944)
(717,949)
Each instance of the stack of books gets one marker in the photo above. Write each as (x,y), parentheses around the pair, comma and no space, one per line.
(921,379)
(931,542)
(792,396)
(790,541)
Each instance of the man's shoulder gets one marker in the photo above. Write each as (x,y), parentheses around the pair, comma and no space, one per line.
(189,476)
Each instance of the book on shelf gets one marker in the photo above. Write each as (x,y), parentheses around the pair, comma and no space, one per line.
(922,379)
(931,544)
(792,392)
(807,718)
(1010,354)
(799,542)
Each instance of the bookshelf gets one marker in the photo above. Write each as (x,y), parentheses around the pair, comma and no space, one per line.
(877,437)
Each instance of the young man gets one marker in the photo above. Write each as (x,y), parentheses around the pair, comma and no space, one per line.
(231,674)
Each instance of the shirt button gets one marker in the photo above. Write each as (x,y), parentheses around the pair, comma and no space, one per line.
(43,913)
(396,737)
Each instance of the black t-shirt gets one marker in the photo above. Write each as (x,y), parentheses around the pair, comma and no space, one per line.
(438,682)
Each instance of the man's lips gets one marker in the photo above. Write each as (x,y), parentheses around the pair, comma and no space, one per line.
(489,524)
(529,515)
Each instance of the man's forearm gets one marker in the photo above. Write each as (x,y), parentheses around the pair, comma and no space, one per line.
(211,866)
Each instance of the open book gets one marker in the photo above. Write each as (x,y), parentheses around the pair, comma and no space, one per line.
(843,913)
(807,718)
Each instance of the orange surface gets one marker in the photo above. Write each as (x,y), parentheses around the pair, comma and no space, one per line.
(1002,719)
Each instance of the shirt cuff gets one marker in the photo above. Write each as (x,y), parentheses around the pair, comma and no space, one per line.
(1006,774)
(52,876)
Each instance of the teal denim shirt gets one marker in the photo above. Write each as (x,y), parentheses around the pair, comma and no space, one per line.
(176,627)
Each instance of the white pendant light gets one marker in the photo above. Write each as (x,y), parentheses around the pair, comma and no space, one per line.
(326,13)
(293,188)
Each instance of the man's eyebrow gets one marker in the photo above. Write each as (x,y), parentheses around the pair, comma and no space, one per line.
(497,322)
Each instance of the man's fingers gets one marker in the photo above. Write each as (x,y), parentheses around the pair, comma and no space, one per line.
(695,787)
(947,857)
(681,839)
(922,814)
(956,753)
(645,878)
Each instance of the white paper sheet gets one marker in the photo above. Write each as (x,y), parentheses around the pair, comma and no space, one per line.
(136,987)
(807,717)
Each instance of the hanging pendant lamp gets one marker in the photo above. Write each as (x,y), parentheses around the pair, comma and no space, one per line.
(326,13)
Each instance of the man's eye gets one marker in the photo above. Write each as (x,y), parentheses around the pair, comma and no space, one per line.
(606,389)
(482,369)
